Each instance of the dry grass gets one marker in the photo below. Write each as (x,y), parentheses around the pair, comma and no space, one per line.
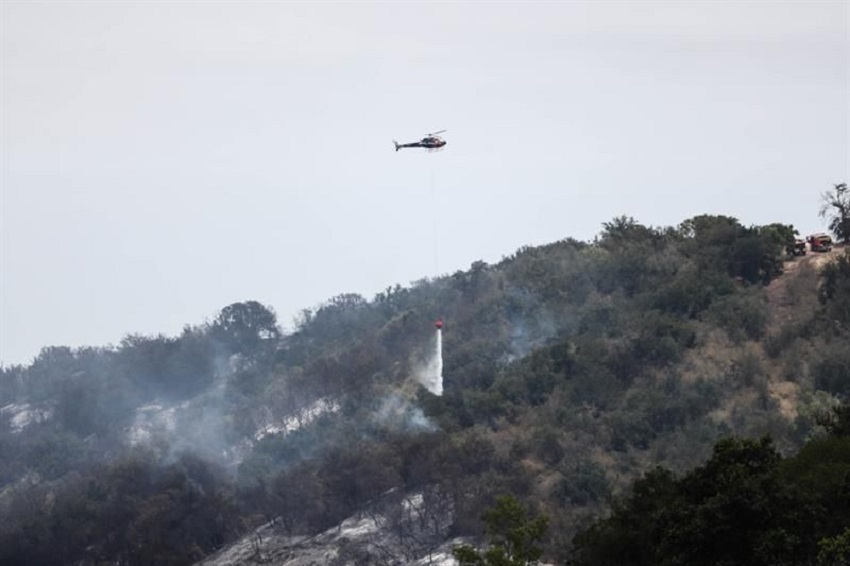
(711,359)
(787,397)
(753,376)
(794,295)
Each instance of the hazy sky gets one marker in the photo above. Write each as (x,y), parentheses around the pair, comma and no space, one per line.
(161,160)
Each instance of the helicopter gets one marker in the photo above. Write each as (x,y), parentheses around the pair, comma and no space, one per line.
(431,142)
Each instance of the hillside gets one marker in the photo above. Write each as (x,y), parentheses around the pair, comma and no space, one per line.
(569,370)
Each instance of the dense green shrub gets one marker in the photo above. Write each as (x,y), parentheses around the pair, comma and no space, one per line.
(743,315)
(832,371)
(582,483)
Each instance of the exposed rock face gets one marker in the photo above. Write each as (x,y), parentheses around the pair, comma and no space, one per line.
(400,530)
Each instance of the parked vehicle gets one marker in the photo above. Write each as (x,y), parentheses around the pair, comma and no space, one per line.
(799,247)
(820,242)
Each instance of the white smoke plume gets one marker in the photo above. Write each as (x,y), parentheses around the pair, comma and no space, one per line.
(398,411)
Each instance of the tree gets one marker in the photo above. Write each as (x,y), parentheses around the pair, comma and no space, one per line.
(783,235)
(244,326)
(738,508)
(721,243)
(513,535)
(735,509)
(624,230)
(835,551)
(630,534)
(834,290)
(837,422)
(837,202)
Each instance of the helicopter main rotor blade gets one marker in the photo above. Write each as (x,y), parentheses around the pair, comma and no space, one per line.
(440,132)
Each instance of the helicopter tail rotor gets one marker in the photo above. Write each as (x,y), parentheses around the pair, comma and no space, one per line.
(396,145)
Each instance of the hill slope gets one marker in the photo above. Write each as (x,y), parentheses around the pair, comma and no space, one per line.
(569,369)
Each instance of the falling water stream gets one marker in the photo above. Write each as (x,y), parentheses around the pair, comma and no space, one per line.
(430,374)
(438,365)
